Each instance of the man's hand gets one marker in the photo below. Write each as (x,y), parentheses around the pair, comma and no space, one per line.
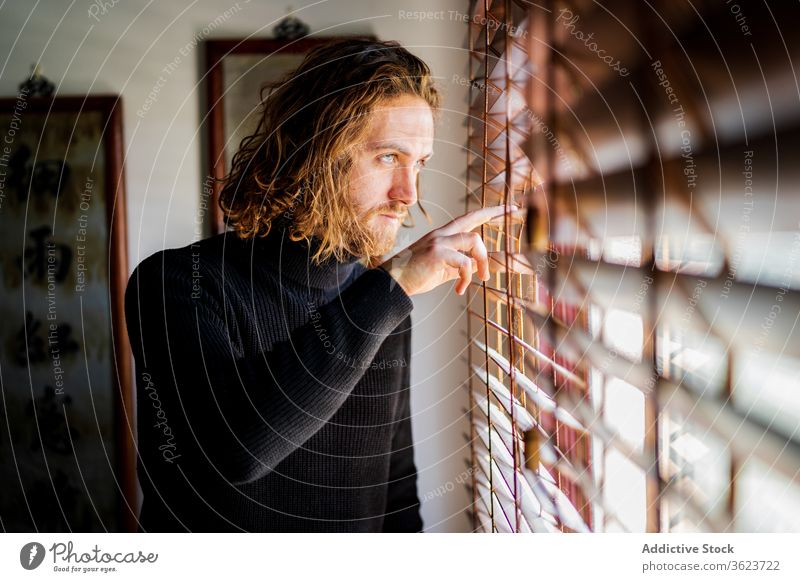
(450,252)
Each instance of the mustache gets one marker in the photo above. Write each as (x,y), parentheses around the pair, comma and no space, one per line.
(400,210)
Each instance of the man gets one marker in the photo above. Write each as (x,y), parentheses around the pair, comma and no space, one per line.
(272,360)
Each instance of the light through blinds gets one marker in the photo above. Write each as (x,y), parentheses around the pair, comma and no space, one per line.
(634,359)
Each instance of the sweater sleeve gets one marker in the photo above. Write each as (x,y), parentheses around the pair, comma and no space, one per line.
(402,502)
(244,415)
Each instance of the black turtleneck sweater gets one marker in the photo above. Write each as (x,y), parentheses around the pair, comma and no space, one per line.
(272,394)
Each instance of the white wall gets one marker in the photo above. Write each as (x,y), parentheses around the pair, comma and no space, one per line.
(123,49)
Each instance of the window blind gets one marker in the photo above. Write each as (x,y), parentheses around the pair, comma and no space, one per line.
(634,359)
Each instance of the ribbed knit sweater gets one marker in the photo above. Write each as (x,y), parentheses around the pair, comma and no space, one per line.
(272,394)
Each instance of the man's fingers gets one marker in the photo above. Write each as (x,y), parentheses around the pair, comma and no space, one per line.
(474,219)
(516,217)
(472,243)
(463,264)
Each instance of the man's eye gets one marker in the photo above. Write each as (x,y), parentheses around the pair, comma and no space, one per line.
(388,157)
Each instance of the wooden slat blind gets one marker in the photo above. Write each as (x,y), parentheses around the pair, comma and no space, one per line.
(634,359)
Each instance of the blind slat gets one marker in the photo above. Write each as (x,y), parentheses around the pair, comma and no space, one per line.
(746,437)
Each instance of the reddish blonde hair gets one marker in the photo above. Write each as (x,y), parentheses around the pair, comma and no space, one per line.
(294,167)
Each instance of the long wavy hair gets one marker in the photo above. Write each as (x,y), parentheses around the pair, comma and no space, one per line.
(293,169)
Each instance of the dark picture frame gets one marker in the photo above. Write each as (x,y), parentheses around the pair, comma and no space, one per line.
(55,149)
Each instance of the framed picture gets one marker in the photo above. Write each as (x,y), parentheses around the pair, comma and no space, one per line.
(236,70)
(67,456)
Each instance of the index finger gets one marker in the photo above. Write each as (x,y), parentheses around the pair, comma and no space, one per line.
(474,219)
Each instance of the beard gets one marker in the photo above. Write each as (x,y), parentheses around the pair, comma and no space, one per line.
(377,235)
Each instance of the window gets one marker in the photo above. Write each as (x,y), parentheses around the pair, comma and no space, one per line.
(634,359)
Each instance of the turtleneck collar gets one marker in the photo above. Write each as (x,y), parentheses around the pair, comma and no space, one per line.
(292,260)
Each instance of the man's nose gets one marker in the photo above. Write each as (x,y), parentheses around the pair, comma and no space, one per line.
(404,186)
